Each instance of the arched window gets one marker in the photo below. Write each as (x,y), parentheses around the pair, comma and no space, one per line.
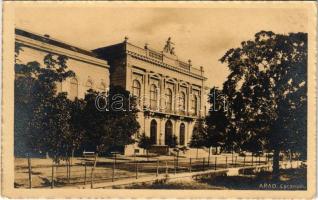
(153,131)
(73,88)
(103,87)
(89,84)
(168,132)
(136,88)
(182,102)
(153,97)
(168,100)
(182,134)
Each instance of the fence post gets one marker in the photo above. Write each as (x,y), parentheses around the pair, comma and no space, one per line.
(225,162)
(252,159)
(190,167)
(215,162)
(30,171)
(69,171)
(113,169)
(175,164)
(259,160)
(232,158)
(92,172)
(298,161)
(203,162)
(167,168)
(66,164)
(209,160)
(177,161)
(136,169)
(85,173)
(244,161)
(52,177)
(157,173)
(235,161)
(291,163)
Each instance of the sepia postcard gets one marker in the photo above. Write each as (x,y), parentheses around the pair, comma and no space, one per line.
(123,99)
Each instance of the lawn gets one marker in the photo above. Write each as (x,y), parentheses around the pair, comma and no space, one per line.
(290,179)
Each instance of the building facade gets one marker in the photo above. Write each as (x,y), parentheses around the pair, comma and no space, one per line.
(90,71)
(171,93)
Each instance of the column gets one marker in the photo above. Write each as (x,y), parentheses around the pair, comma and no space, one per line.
(146,89)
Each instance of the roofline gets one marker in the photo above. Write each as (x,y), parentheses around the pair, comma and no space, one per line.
(56,42)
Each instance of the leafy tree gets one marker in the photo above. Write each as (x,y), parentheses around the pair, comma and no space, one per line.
(199,136)
(172,142)
(51,129)
(114,127)
(216,121)
(36,99)
(145,142)
(267,89)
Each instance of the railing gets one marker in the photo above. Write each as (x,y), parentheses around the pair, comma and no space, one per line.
(195,71)
(184,65)
(87,172)
(160,56)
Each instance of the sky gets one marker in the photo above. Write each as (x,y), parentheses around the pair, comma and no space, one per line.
(200,33)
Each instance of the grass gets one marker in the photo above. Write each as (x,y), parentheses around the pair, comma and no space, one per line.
(290,179)
(183,185)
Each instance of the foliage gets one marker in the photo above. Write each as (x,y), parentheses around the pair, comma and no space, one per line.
(172,142)
(217,122)
(199,136)
(111,129)
(41,114)
(267,90)
(145,142)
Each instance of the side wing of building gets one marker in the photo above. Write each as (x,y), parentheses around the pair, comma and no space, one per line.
(91,72)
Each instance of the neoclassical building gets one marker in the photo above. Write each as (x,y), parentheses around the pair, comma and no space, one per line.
(171,93)
(91,71)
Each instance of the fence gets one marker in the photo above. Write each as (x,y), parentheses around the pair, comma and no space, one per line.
(88,171)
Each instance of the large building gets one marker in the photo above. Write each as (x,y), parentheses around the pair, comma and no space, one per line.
(171,93)
(90,71)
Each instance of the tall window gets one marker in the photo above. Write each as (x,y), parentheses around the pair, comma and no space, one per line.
(136,88)
(153,97)
(182,102)
(195,105)
(168,132)
(153,131)
(89,84)
(182,134)
(168,100)
(73,88)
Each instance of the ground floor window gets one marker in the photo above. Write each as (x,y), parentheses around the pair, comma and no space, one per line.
(168,132)
(182,134)
(153,131)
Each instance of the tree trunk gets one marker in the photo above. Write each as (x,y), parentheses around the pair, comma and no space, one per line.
(276,163)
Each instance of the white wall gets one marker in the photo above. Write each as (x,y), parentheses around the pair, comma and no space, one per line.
(84,70)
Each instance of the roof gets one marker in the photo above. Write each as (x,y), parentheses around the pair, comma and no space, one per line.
(54,42)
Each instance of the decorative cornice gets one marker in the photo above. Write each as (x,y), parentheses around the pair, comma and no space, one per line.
(153,61)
